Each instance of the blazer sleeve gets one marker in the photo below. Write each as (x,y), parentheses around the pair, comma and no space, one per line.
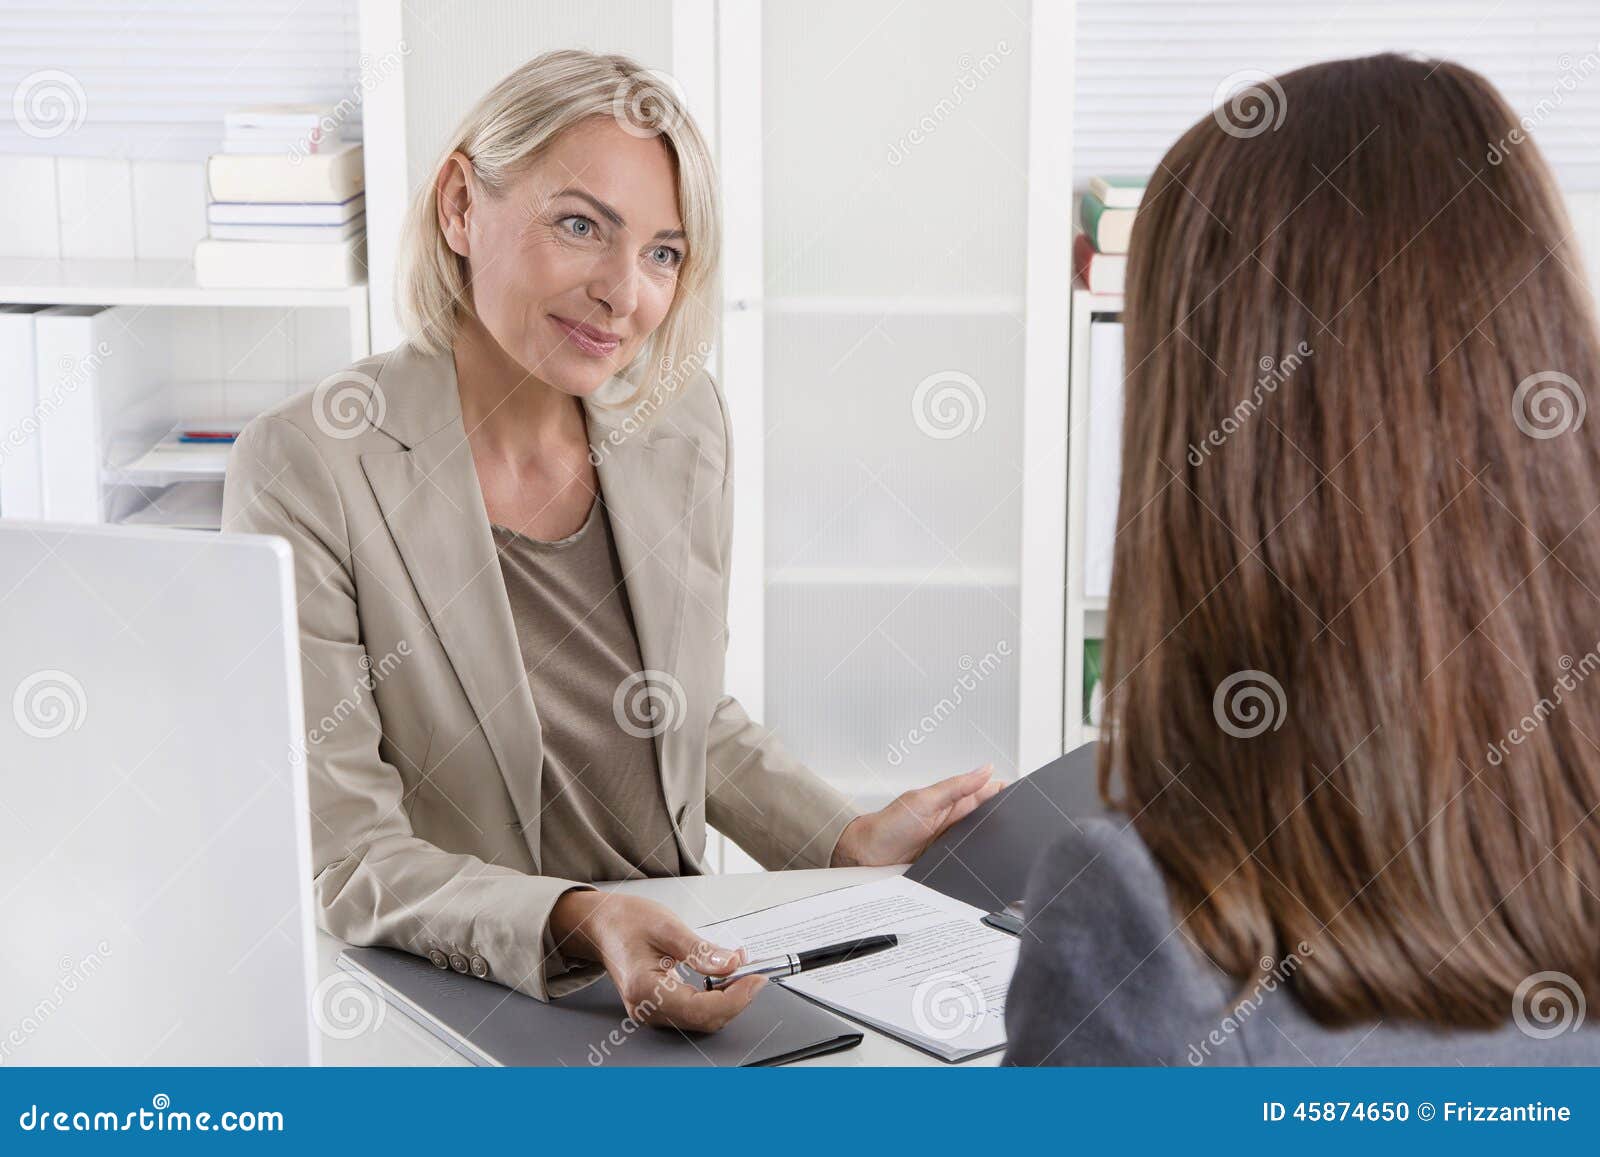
(376,883)
(770,804)
(1105,975)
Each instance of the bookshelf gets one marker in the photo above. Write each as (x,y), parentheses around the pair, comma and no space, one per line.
(1085,614)
(117,281)
(173,351)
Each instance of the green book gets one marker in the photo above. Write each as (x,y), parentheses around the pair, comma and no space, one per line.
(1108,229)
(1091,676)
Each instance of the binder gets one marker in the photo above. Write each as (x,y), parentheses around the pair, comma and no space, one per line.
(985,857)
(99,370)
(21,475)
(491,1025)
(1103,474)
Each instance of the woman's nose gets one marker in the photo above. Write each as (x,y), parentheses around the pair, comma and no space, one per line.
(615,285)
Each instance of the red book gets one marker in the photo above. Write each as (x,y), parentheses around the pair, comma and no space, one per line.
(1099,272)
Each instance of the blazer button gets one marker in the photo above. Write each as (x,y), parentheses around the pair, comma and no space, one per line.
(458,962)
(440,960)
(480,967)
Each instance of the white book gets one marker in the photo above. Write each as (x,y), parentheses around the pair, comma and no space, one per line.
(307,234)
(21,484)
(286,212)
(69,360)
(280,265)
(331,176)
(275,116)
(284,144)
(1102,473)
(1118,192)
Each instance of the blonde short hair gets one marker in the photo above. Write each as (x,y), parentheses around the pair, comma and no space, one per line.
(506,131)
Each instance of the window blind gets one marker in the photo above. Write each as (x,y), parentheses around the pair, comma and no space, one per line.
(1148,69)
(151,81)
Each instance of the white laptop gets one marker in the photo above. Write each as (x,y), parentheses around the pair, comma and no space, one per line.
(154,848)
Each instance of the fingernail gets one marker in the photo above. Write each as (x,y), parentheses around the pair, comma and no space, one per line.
(720,958)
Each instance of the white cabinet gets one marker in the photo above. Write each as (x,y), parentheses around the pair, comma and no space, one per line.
(905,325)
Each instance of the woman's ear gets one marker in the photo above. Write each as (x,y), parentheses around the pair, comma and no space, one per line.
(454,187)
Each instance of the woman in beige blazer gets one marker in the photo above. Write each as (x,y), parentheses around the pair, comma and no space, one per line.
(511,542)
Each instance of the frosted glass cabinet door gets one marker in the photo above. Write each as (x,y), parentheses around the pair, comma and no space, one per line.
(895,161)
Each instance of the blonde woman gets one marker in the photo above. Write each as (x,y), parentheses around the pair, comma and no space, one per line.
(511,542)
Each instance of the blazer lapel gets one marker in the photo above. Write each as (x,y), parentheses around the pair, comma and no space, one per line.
(648,481)
(433,506)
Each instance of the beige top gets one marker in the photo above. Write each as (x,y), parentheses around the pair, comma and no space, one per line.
(604,814)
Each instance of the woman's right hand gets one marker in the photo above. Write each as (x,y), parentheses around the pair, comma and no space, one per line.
(641,943)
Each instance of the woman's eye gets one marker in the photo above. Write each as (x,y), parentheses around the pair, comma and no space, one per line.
(579,226)
(667,256)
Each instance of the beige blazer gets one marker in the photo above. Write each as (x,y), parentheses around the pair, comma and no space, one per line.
(423,747)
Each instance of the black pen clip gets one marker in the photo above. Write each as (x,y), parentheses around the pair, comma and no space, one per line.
(1007,919)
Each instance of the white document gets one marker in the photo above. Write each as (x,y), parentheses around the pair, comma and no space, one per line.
(942,989)
(21,479)
(1103,475)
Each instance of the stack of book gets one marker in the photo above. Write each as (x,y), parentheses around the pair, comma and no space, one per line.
(287,208)
(1105,218)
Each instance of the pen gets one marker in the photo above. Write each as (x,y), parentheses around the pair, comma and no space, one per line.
(792,962)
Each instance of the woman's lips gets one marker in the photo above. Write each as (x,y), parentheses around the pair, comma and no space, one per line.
(582,341)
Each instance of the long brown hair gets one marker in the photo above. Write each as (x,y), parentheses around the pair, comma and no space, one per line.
(1356,592)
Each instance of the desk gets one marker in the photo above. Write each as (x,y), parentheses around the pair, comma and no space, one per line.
(398,1040)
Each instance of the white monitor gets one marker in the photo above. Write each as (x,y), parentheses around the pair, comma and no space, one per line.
(154,847)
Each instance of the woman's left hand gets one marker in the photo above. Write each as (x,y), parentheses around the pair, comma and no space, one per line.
(913,820)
